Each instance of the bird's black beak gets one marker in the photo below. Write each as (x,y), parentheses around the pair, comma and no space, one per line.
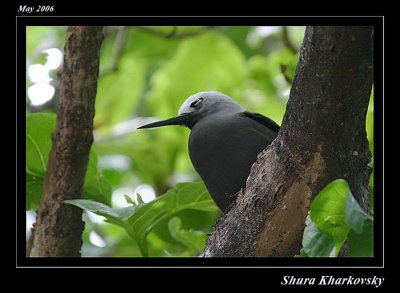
(179,120)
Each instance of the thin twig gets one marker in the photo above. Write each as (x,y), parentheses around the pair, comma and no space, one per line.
(173,34)
(286,41)
(118,47)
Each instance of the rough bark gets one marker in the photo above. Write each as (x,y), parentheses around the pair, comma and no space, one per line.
(322,138)
(59,226)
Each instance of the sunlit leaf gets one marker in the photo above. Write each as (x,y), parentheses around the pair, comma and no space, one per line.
(140,220)
(327,211)
(139,198)
(335,216)
(370,122)
(184,196)
(129,200)
(116,216)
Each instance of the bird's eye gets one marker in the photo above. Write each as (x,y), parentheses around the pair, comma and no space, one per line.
(197,102)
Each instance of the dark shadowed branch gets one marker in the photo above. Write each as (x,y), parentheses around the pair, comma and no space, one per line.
(285,74)
(118,48)
(286,40)
(173,34)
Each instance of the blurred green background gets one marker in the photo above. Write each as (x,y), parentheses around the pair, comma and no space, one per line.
(145,74)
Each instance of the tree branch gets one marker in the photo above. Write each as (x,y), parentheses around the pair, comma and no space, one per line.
(286,41)
(285,74)
(173,34)
(322,138)
(118,48)
(59,227)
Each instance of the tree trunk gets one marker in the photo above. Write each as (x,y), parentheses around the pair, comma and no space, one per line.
(322,138)
(58,229)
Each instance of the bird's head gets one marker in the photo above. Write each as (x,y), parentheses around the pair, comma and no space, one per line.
(199,106)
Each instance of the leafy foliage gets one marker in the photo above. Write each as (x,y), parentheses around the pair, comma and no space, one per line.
(335,216)
(39,127)
(193,240)
(328,212)
(140,219)
(34,185)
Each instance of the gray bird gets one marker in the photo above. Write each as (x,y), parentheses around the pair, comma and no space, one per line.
(224,141)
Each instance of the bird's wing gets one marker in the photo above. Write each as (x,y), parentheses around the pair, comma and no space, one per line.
(263,120)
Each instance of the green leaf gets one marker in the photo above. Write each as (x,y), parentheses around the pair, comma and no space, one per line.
(34,185)
(129,200)
(139,198)
(96,186)
(302,253)
(371,191)
(183,196)
(194,240)
(355,216)
(140,220)
(335,216)
(361,245)
(316,243)
(39,127)
(116,216)
(369,123)
(360,238)
(328,211)
(191,219)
